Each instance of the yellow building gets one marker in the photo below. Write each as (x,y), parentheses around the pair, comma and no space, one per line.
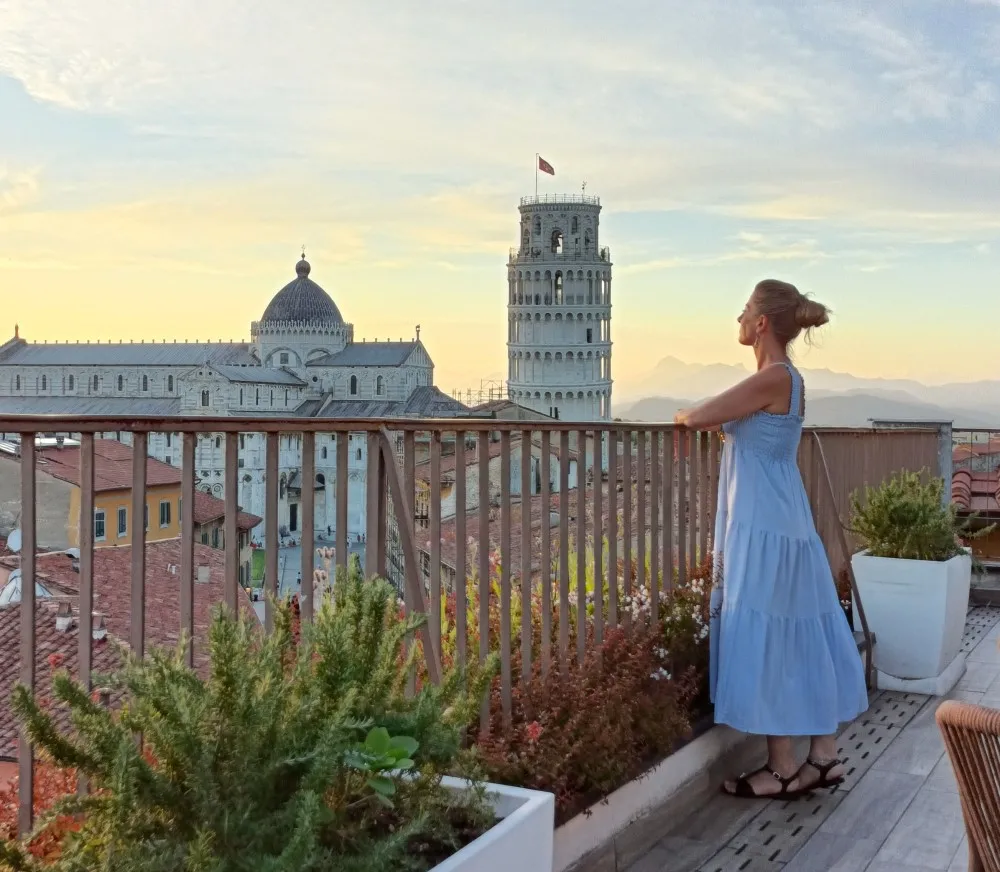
(58,496)
(113,521)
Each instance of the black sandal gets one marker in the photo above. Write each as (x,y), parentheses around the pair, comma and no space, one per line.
(744,789)
(823,769)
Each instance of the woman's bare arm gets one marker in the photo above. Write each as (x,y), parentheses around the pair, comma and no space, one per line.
(763,389)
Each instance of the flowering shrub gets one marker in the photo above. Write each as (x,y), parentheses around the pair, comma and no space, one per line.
(586,729)
(583,730)
(51,784)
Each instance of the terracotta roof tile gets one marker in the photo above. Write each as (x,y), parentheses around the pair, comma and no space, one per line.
(976,491)
(48,642)
(208,508)
(112,598)
(112,466)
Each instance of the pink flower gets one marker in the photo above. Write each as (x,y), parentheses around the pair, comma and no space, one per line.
(56,660)
(533,732)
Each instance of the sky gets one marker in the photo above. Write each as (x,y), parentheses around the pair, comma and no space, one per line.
(161,164)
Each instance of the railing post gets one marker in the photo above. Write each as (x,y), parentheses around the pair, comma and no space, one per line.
(231,530)
(137,636)
(461,573)
(946,459)
(26,755)
(342,546)
(271,585)
(190,443)
(308,525)
(86,555)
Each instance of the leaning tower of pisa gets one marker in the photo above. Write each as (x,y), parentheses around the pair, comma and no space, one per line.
(559,310)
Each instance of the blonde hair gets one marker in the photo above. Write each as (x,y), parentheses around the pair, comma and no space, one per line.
(788,310)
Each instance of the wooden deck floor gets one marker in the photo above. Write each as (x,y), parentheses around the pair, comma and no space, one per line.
(898,812)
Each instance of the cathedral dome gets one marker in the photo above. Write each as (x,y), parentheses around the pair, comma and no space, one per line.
(302,300)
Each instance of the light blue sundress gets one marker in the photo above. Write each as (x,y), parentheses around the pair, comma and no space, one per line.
(783,659)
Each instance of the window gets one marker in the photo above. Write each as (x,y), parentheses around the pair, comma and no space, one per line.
(204,538)
(145,516)
(121,383)
(170,383)
(45,383)
(286,397)
(272,397)
(354,385)
(100,531)
(72,383)
(359,454)
(168,440)
(97,383)
(576,225)
(215,537)
(242,441)
(168,460)
(590,334)
(218,441)
(122,522)
(241,396)
(145,383)
(283,358)
(380,386)
(164,513)
(322,453)
(257,396)
(17,383)
(204,399)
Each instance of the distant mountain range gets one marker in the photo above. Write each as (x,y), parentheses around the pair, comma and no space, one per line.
(833,399)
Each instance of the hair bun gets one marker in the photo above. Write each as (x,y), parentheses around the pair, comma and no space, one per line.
(810,314)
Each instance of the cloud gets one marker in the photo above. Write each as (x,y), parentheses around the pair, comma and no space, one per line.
(406,136)
(18,189)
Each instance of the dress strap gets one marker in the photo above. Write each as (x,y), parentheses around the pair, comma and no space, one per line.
(796,404)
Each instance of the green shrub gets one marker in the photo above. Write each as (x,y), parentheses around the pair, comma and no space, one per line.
(905,518)
(300,755)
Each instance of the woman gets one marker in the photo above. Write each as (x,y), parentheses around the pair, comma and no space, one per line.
(784,661)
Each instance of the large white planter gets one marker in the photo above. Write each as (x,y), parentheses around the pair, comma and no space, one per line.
(521,842)
(916,609)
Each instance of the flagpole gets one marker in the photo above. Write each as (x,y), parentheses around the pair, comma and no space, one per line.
(536,173)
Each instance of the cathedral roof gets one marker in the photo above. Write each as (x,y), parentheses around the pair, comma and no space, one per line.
(302,300)
(369,354)
(126,353)
(426,401)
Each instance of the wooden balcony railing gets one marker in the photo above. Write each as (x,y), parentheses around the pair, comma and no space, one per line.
(518,500)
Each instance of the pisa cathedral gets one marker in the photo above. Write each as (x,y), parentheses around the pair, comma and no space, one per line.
(302,361)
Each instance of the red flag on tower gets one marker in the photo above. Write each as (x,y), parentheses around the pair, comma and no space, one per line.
(545,166)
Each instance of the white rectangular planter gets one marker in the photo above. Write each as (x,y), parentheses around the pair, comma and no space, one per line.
(916,609)
(520,842)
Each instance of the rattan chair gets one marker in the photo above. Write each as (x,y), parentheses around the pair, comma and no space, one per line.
(972,739)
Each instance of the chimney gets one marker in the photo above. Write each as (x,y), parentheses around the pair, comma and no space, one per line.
(64,617)
(98,631)
(204,573)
